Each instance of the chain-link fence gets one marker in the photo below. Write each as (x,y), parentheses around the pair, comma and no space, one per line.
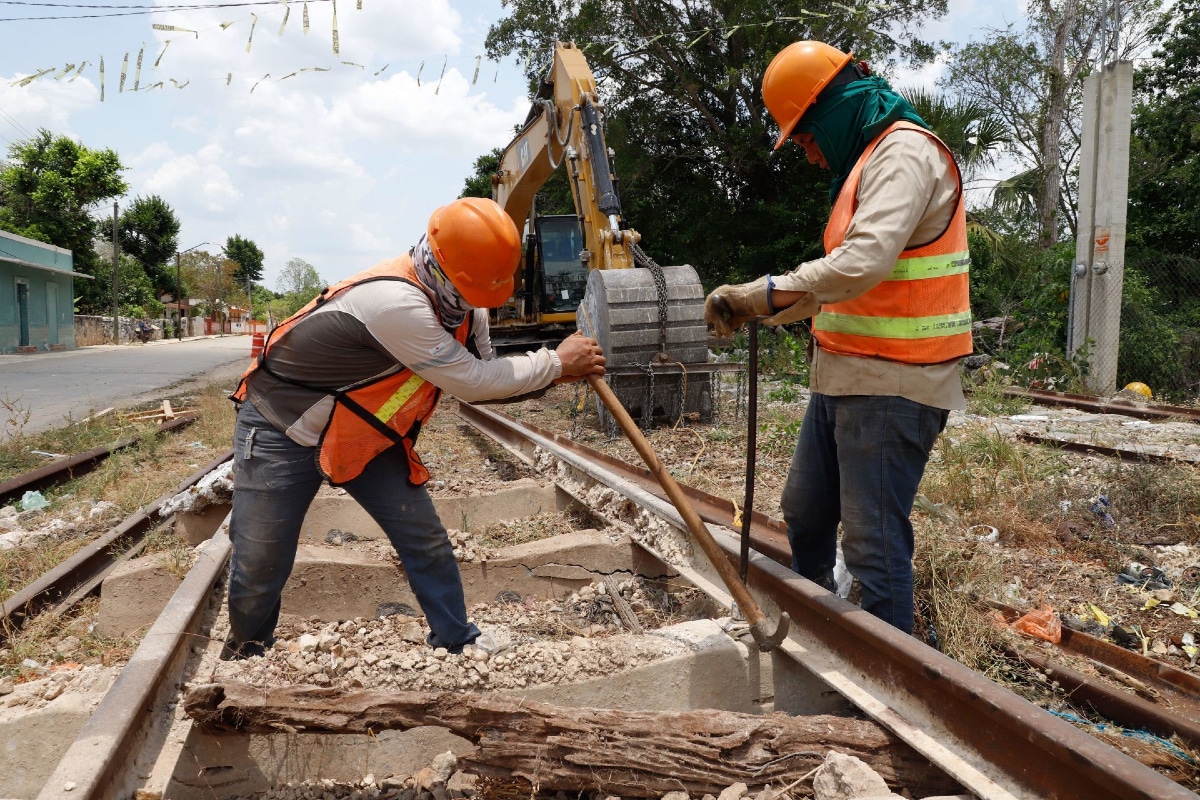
(1160,324)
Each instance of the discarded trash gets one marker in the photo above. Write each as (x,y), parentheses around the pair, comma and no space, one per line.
(1144,736)
(1184,611)
(1127,636)
(1100,507)
(33,500)
(984,533)
(1150,578)
(46,454)
(936,509)
(1040,623)
(1100,616)
(1190,577)
(1140,388)
(1029,418)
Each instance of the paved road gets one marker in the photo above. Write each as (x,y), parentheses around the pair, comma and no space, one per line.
(76,383)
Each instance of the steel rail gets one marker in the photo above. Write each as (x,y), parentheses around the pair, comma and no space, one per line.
(769,537)
(100,763)
(1089,448)
(1100,405)
(74,466)
(992,741)
(79,575)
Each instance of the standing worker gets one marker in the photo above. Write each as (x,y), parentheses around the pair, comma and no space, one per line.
(891,318)
(340,392)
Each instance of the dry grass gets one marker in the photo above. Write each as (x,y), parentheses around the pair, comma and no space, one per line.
(128,479)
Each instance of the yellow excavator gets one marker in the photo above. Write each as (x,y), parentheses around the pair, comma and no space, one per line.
(586,270)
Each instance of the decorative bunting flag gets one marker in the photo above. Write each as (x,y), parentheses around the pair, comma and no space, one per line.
(381,69)
(439,84)
(79,71)
(306,18)
(287,12)
(124,69)
(253,25)
(137,73)
(336,47)
(475,77)
(101,79)
(228,77)
(260,80)
(160,27)
(64,72)
(163,53)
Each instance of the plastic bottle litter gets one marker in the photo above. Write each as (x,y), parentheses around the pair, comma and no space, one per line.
(32,500)
(1100,507)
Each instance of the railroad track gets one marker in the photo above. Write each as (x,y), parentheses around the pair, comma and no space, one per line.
(995,744)
(70,467)
(59,589)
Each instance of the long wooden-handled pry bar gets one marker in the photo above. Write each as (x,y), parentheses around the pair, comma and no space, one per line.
(760,626)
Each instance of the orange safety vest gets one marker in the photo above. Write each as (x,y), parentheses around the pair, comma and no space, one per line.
(367,418)
(920,313)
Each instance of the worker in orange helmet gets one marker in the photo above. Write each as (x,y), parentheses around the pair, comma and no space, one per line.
(340,392)
(890,312)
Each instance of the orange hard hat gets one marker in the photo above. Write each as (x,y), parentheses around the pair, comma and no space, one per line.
(478,248)
(795,77)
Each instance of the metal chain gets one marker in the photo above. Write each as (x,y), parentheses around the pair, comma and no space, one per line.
(660,287)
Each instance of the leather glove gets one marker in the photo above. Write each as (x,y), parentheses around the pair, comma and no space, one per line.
(731,305)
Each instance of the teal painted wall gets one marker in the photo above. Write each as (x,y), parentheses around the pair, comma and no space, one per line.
(49,294)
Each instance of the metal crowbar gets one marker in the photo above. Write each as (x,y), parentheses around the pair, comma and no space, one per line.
(764,637)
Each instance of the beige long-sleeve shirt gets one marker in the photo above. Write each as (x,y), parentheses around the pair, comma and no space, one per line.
(906,198)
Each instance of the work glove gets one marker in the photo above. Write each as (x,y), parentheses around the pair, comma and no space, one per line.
(731,305)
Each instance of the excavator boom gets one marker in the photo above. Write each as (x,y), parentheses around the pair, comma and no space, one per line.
(587,270)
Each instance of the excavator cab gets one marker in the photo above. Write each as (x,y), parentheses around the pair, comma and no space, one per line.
(564,274)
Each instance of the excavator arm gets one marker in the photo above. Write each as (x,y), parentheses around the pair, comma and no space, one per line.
(649,321)
(565,123)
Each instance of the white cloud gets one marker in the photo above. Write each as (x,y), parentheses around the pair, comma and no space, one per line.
(45,103)
(198,179)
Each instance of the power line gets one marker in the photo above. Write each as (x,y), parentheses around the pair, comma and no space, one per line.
(21,129)
(129,10)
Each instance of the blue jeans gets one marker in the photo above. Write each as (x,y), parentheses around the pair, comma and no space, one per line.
(859,461)
(275,480)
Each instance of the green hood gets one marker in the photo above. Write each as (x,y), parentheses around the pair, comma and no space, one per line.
(846,118)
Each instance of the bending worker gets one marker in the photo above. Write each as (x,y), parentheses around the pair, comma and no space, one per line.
(340,393)
(890,318)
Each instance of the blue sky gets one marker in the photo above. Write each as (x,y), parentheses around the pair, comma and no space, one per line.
(339,167)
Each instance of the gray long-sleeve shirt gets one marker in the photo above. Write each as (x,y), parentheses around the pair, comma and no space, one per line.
(373,330)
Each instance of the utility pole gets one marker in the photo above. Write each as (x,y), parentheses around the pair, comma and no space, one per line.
(178,300)
(116,274)
(179,288)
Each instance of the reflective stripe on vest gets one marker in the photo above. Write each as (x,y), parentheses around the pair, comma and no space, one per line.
(402,395)
(920,313)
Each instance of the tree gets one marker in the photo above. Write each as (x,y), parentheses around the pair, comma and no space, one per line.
(1032,77)
(680,84)
(149,232)
(248,257)
(1164,167)
(48,190)
(298,282)
(211,278)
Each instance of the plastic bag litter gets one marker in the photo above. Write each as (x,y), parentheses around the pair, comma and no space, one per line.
(32,500)
(1041,623)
